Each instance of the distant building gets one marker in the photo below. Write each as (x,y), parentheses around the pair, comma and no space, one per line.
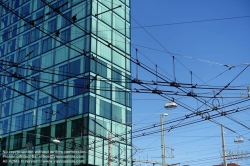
(230,164)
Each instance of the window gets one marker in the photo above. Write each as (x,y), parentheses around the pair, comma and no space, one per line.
(60,130)
(13,30)
(34,82)
(118,24)
(26,38)
(39,4)
(116,113)
(65,36)
(19,122)
(26,10)
(35,65)
(76,32)
(106,3)
(15,4)
(47,60)
(2,49)
(14,18)
(22,87)
(5,35)
(63,72)
(21,70)
(119,59)
(100,129)
(4,22)
(8,92)
(92,105)
(11,58)
(3,143)
(73,107)
(51,10)
(61,111)
(104,51)
(40,14)
(43,101)
(9,78)
(65,22)
(52,26)
(45,135)
(27,27)
(129,117)
(47,44)
(35,35)
(116,75)
(128,84)
(5,109)
(120,95)
(91,84)
(22,54)
(61,54)
(31,136)
(105,89)
(87,63)
(18,104)
(77,128)
(4,126)
(46,77)
(4,10)
(59,92)
(34,49)
(106,17)
(117,37)
(17,141)
(75,67)
(86,104)
(30,103)
(3,93)
(101,68)
(79,86)
(92,64)
(62,4)
(105,109)
(46,115)
(28,120)
(12,45)
(128,99)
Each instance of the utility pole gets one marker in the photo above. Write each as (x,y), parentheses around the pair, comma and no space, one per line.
(223,146)
(110,150)
(163,148)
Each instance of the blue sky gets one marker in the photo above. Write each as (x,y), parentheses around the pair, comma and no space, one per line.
(203,48)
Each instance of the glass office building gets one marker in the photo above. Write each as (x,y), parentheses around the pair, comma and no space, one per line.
(65,74)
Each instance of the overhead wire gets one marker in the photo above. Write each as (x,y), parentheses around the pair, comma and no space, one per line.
(173,56)
(166,49)
(211,118)
(160,83)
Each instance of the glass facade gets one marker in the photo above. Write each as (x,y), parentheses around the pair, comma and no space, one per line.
(64,68)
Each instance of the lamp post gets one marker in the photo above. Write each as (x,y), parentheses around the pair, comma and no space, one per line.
(163,148)
(223,146)
(167,106)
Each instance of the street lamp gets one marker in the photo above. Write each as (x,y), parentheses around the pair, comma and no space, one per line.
(168,106)
(238,140)
(56,141)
